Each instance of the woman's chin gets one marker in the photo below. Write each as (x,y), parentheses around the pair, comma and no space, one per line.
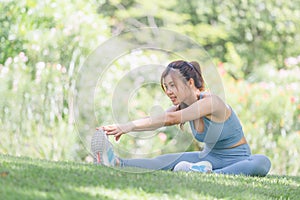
(175,103)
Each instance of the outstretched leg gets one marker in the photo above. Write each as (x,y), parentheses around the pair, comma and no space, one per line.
(103,154)
(255,165)
(163,162)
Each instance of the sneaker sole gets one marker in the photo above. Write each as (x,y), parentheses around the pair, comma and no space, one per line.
(98,143)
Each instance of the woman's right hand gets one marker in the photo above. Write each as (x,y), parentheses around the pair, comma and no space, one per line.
(116,129)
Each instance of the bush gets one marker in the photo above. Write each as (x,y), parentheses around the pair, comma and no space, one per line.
(34,113)
(44,45)
(269,110)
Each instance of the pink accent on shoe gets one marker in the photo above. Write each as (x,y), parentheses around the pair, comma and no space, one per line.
(98,157)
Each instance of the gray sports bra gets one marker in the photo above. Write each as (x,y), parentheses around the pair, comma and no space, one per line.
(219,135)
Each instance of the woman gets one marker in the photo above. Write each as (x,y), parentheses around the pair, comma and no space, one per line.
(211,120)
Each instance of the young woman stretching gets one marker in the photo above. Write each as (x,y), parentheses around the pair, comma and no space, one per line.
(211,120)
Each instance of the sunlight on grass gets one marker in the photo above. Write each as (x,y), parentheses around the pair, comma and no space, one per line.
(132,193)
(135,193)
(41,179)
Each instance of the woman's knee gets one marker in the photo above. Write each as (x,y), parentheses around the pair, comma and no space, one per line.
(262,164)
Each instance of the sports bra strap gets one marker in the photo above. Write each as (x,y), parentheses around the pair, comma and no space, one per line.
(200,96)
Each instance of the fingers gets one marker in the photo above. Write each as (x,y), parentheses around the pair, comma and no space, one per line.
(115,131)
(117,137)
(106,128)
(112,130)
(109,128)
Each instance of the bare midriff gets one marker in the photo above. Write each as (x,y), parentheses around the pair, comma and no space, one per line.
(242,141)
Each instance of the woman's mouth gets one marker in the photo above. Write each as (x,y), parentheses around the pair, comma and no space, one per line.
(173,99)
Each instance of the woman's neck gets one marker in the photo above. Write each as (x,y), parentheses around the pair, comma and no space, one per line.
(193,98)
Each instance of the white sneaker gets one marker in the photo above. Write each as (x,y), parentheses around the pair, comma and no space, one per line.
(102,149)
(183,166)
(203,166)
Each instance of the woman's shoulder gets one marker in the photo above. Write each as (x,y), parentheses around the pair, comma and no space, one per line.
(215,97)
(208,94)
(220,110)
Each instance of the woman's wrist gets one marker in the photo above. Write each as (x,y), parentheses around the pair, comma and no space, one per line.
(129,127)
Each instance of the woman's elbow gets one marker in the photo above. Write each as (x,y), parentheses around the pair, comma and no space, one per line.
(172,119)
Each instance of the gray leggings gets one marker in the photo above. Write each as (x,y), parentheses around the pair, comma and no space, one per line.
(236,160)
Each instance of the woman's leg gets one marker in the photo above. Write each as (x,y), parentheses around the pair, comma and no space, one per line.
(103,154)
(254,165)
(167,161)
(237,160)
(162,162)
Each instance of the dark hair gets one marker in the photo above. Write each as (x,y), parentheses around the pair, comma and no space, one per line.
(188,70)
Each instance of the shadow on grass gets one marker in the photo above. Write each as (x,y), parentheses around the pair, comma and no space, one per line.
(35,179)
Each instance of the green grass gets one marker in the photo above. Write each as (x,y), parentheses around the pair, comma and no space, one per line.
(26,178)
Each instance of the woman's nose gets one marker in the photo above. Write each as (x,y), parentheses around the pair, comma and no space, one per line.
(168,91)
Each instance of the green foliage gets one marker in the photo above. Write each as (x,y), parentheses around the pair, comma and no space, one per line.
(259,31)
(37,75)
(34,114)
(269,110)
(11,39)
(39,179)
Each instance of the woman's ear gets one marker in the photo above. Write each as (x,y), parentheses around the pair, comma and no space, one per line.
(191,82)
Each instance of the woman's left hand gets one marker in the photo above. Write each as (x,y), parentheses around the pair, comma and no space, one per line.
(116,129)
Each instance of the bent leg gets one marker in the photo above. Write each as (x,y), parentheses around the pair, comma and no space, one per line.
(255,165)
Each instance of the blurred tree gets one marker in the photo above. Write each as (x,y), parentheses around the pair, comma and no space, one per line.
(253,31)
(11,39)
(258,31)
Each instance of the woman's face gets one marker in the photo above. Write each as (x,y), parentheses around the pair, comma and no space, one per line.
(176,91)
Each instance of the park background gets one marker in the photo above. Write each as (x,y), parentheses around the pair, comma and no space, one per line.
(254,44)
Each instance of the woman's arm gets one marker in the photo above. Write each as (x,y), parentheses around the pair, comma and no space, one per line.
(210,105)
(144,124)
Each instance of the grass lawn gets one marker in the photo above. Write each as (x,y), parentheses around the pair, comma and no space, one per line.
(26,178)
